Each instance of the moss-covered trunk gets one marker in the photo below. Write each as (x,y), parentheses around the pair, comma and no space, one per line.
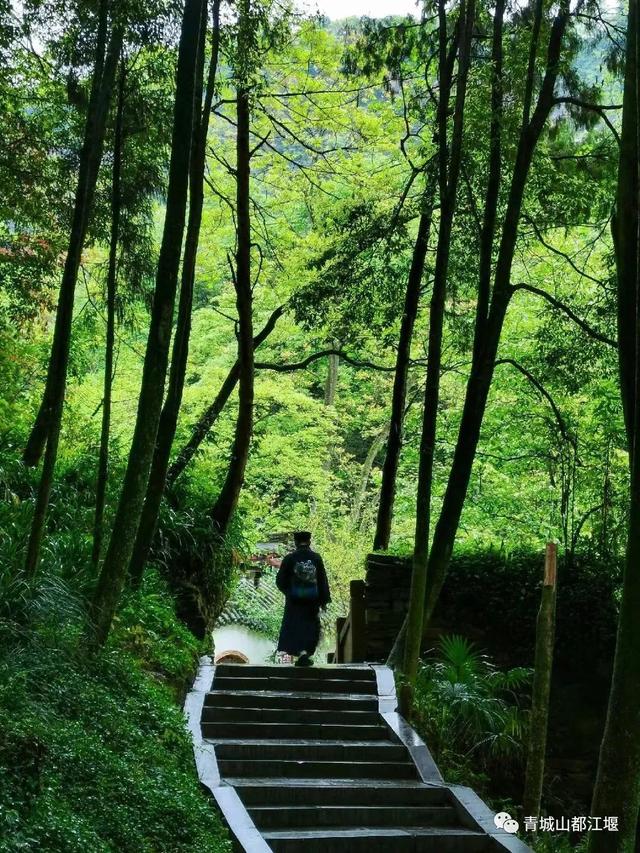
(398,399)
(450,158)
(113,574)
(112,276)
(617,789)
(173,400)
(483,366)
(227,501)
(45,434)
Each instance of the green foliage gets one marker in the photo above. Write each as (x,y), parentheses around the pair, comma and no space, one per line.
(93,751)
(468,711)
(361,247)
(343,125)
(499,594)
(94,755)
(147,628)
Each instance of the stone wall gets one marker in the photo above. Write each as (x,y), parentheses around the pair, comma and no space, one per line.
(387,585)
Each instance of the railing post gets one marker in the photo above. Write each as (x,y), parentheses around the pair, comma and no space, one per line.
(545,637)
(358,621)
(339,658)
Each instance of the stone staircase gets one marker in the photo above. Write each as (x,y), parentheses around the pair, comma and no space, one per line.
(308,760)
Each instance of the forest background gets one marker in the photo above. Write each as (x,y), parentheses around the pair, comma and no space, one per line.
(342,160)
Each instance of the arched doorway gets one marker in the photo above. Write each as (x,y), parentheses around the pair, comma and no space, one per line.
(231,656)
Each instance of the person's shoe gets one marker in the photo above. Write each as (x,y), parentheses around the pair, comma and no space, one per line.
(304,660)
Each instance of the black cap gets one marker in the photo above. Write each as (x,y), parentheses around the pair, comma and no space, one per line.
(302,536)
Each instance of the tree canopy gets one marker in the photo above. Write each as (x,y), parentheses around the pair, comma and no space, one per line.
(263,271)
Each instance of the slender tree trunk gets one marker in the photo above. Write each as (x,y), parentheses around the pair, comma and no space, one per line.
(227,501)
(545,640)
(171,408)
(617,788)
(488,233)
(212,412)
(88,170)
(481,375)
(449,169)
(112,275)
(623,227)
(331,384)
(113,574)
(46,429)
(372,453)
(396,424)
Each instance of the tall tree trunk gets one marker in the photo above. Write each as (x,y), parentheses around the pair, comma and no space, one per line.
(211,413)
(370,458)
(331,383)
(396,423)
(488,232)
(112,276)
(171,408)
(46,429)
(449,172)
(87,175)
(481,375)
(125,526)
(617,788)
(227,501)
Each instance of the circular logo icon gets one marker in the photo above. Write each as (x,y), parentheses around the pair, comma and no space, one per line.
(503,820)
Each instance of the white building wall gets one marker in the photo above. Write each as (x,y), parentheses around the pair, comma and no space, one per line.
(238,638)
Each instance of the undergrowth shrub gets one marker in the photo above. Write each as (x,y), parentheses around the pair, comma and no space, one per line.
(94,754)
(469,712)
(198,565)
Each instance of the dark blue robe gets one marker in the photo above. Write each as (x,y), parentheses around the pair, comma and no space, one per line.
(300,629)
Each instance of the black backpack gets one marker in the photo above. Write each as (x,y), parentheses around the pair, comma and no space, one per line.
(304,581)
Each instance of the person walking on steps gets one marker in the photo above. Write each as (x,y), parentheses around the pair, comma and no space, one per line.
(303,581)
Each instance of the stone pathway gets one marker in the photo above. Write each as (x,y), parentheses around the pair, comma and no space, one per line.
(310,760)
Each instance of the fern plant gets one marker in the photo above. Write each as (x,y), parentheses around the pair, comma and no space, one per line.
(468,709)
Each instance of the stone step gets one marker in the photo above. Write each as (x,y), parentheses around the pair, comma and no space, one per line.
(307,731)
(318,769)
(273,699)
(288,715)
(317,750)
(292,769)
(320,792)
(294,685)
(318,673)
(366,840)
(291,817)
